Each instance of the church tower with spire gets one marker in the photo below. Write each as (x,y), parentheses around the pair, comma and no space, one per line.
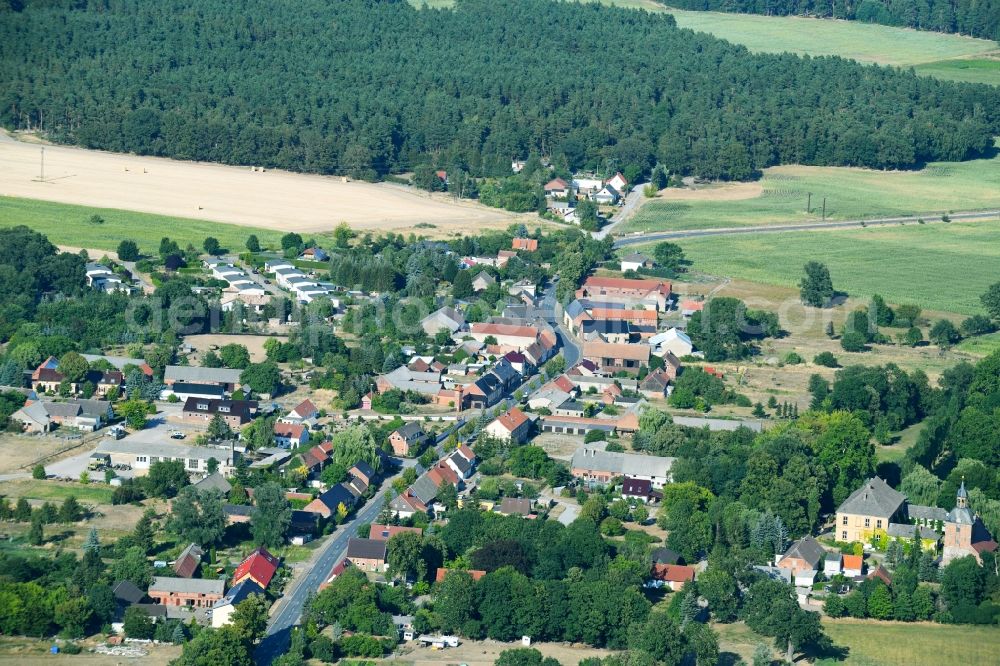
(958,529)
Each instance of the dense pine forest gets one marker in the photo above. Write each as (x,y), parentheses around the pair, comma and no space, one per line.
(978,18)
(370,87)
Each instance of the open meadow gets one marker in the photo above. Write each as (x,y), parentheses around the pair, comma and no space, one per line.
(868,643)
(905,264)
(782,195)
(195,196)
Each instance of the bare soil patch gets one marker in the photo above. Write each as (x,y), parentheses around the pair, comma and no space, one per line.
(277,200)
(19,452)
(203,343)
(485,653)
(712,192)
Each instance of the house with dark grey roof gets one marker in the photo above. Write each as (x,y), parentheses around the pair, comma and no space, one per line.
(227,378)
(424,489)
(406,438)
(329,502)
(236,413)
(871,507)
(213,482)
(367,554)
(804,555)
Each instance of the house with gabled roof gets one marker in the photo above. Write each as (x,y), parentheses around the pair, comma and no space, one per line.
(803,555)
(458,462)
(259,566)
(186,565)
(379,532)
(290,435)
(557,188)
(367,554)
(444,318)
(192,592)
(651,293)
(483,281)
(614,358)
(407,437)
(406,505)
(304,411)
(673,576)
(513,427)
(618,181)
(526,244)
(634,261)
(329,503)
(223,609)
(869,508)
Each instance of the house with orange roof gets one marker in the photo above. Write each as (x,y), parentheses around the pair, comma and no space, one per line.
(654,294)
(853,565)
(512,427)
(557,188)
(526,244)
(381,532)
(442,573)
(515,336)
(290,435)
(673,576)
(304,411)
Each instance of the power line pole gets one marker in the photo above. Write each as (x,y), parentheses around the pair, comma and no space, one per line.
(824,209)
(809,201)
(41,176)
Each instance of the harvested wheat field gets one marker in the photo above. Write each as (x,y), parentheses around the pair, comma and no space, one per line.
(276,200)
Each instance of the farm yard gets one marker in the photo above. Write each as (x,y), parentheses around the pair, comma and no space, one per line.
(781,196)
(897,262)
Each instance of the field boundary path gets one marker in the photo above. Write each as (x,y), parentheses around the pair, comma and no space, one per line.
(641,238)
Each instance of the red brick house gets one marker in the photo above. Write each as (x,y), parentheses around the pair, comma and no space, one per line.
(194,592)
(367,554)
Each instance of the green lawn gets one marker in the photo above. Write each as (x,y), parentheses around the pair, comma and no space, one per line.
(971,70)
(93,493)
(850,194)
(904,644)
(66,224)
(940,267)
(984,344)
(870,643)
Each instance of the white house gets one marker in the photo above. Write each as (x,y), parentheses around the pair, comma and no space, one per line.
(290,435)
(510,427)
(618,182)
(223,609)
(672,340)
(587,186)
(635,261)
(831,565)
(607,195)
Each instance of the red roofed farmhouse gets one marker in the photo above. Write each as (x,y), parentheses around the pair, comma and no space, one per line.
(510,427)
(259,566)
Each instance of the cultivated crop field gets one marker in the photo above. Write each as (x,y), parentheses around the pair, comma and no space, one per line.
(184,192)
(902,643)
(781,196)
(940,267)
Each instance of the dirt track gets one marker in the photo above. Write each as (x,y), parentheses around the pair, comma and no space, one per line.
(273,199)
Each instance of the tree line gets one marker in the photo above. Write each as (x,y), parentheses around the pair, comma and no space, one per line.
(979,18)
(368,88)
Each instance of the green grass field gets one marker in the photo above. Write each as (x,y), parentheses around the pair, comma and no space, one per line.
(93,493)
(970,70)
(940,267)
(850,194)
(984,344)
(951,57)
(902,644)
(66,224)
(869,643)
